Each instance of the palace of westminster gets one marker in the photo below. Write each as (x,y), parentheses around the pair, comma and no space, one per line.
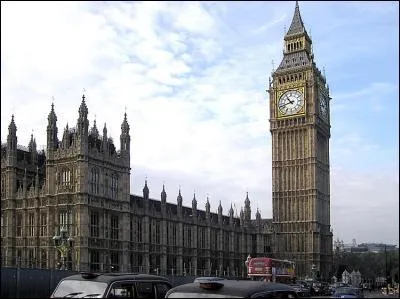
(81,184)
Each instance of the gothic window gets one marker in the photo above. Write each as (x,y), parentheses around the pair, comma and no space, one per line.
(43,224)
(188,238)
(202,237)
(65,177)
(3,224)
(158,233)
(3,186)
(114,186)
(94,260)
(19,256)
(94,224)
(43,258)
(139,230)
(106,185)
(236,243)
(18,220)
(94,181)
(31,258)
(226,241)
(301,44)
(31,224)
(131,231)
(266,246)
(173,234)
(114,227)
(65,220)
(114,258)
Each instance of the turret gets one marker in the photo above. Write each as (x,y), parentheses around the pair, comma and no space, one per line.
(163,201)
(83,127)
(146,196)
(231,215)
(125,139)
(241,217)
(207,209)
(220,213)
(258,218)
(12,143)
(179,202)
(105,147)
(94,131)
(163,195)
(247,209)
(146,191)
(52,131)
(65,140)
(194,206)
(32,150)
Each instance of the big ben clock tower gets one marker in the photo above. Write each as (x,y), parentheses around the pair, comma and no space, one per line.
(300,128)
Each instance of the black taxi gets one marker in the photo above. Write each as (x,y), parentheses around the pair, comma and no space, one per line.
(112,285)
(216,287)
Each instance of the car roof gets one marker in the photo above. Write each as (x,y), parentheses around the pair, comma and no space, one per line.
(241,288)
(114,276)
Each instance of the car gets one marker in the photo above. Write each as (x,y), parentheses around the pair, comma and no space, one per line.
(301,290)
(112,285)
(334,286)
(217,287)
(348,292)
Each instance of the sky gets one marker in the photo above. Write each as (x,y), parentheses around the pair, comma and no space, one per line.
(192,79)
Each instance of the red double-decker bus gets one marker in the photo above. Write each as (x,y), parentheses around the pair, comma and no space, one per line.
(269,269)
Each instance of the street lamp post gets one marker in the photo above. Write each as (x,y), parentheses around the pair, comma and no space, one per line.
(63,243)
(246,263)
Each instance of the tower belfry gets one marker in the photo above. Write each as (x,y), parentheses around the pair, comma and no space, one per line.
(300,129)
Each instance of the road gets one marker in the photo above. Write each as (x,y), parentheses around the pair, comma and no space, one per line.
(368,294)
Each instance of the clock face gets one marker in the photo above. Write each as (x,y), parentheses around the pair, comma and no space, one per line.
(323,106)
(291,102)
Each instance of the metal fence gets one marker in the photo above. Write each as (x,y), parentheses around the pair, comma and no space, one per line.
(30,283)
(40,283)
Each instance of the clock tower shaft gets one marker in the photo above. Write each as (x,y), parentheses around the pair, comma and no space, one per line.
(300,158)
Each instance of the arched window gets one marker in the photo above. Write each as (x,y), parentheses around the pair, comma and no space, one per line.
(3,186)
(94,182)
(114,186)
(64,178)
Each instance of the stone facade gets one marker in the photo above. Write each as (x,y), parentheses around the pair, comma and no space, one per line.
(82,183)
(300,129)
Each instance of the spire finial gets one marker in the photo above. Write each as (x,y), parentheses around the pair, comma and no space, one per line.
(83,96)
(297,25)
